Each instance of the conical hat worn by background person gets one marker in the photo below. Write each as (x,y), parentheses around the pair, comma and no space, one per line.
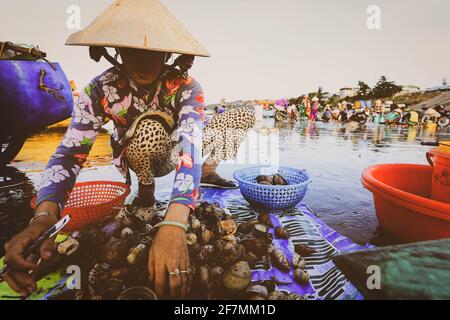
(139,24)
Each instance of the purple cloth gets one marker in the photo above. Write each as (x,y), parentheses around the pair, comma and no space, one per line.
(327,282)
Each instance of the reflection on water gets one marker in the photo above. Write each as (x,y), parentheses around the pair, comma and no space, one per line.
(38,149)
(334,155)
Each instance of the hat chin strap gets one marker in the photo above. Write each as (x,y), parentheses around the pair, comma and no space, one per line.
(96,54)
(184,62)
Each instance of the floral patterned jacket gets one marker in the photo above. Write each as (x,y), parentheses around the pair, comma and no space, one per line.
(116,97)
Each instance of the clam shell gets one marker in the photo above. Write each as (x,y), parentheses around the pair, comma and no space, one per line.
(264,178)
(216,275)
(264,218)
(145,214)
(68,247)
(259,290)
(260,229)
(195,250)
(229,247)
(217,272)
(228,227)
(257,246)
(191,239)
(277,295)
(301,276)
(206,252)
(254,297)
(303,250)
(245,227)
(126,232)
(231,238)
(115,250)
(237,277)
(279,180)
(136,254)
(206,235)
(295,296)
(209,210)
(280,260)
(298,262)
(219,246)
(204,276)
(281,233)
(195,224)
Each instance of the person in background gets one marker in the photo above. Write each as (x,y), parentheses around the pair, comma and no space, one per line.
(306,107)
(314,109)
(378,109)
(159,127)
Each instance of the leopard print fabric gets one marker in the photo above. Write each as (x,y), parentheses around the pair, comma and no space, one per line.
(152,153)
(225,132)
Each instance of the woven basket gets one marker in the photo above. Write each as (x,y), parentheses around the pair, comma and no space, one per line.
(91,202)
(273,198)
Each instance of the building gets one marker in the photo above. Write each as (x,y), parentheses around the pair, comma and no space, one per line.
(347,92)
(408,89)
(443,87)
(438,88)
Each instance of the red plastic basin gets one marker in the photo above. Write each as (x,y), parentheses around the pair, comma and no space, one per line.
(401,194)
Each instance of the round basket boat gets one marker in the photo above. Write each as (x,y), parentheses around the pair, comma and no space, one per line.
(269,197)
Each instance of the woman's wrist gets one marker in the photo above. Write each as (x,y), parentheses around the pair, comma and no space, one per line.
(178,213)
(47,213)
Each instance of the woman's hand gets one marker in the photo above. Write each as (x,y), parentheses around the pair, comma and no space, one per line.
(169,252)
(17,276)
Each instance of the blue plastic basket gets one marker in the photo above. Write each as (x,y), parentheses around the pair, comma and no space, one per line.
(273,198)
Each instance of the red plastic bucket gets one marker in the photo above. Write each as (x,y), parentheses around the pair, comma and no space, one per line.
(402,198)
(440,184)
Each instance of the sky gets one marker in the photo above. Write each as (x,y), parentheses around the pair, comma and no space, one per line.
(264,49)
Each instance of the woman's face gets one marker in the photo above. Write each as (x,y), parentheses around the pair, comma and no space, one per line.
(143,66)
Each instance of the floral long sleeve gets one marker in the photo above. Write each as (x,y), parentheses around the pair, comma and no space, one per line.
(190,128)
(115,96)
(65,164)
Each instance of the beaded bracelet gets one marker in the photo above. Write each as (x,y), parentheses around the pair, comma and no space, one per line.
(44,214)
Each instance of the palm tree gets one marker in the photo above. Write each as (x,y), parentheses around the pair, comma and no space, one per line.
(334,100)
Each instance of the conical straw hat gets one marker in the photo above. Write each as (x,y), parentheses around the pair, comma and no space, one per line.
(140,24)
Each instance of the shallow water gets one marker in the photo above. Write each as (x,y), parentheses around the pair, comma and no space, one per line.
(333,154)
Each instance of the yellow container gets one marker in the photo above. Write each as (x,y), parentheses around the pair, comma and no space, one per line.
(444,146)
(430,126)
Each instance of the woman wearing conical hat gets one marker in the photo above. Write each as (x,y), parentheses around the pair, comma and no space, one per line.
(314,109)
(378,106)
(306,106)
(157,111)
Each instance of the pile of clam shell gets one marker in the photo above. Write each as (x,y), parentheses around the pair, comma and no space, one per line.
(274,180)
(114,254)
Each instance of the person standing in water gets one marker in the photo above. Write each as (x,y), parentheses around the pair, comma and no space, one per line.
(306,107)
(314,109)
